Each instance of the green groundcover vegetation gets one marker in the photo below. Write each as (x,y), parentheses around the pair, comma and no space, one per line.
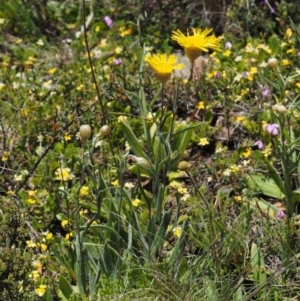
(149,150)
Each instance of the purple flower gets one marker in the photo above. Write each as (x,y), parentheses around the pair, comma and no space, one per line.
(108,21)
(273,129)
(281,214)
(117,62)
(217,75)
(228,45)
(259,144)
(265,92)
(298,54)
(245,74)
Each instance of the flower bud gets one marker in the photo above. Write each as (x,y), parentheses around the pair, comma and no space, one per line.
(279,108)
(104,131)
(273,62)
(140,161)
(85,132)
(184,165)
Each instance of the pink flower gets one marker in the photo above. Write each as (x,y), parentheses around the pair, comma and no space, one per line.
(273,129)
(117,62)
(228,45)
(108,21)
(281,214)
(245,74)
(265,92)
(259,144)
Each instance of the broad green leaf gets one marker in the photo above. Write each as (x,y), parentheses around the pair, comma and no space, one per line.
(176,252)
(266,207)
(266,185)
(132,139)
(47,296)
(65,287)
(159,236)
(172,175)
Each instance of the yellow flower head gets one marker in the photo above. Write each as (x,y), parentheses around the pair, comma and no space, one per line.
(63,174)
(196,43)
(177,231)
(163,65)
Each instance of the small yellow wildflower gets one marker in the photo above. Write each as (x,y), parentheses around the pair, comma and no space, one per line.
(40,291)
(129,185)
(103,43)
(122,118)
(245,92)
(84,191)
(10,192)
(47,84)
(136,202)
(185,197)
(64,174)
(97,28)
(200,105)
(234,168)
(1,86)
(115,183)
(247,153)
(118,50)
(69,236)
(177,231)
(17,41)
(163,65)
(5,156)
(267,151)
(285,62)
(38,265)
(40,42)
(265,48)
(42,246)
(79,87)
(291,50)
(31,192)
(182,190)
(227,52)
(288,32)
(238,198)
(52,71)
(49,236)
(196,43)
(150,117)
(203,141)
(2,20)
(34,275)
(83,212)
(298,84)
(67,137)
(253,70)
(123,31)
(30,244)
(64,223)
(240,118)
(31,201)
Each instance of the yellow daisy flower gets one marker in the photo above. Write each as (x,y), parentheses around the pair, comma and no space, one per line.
(196,43)
(163,65)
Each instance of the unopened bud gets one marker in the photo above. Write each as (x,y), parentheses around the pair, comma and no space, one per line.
(279,108)
(273,62)
(139,161)
(184,165)
(85,132)
(105,130)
